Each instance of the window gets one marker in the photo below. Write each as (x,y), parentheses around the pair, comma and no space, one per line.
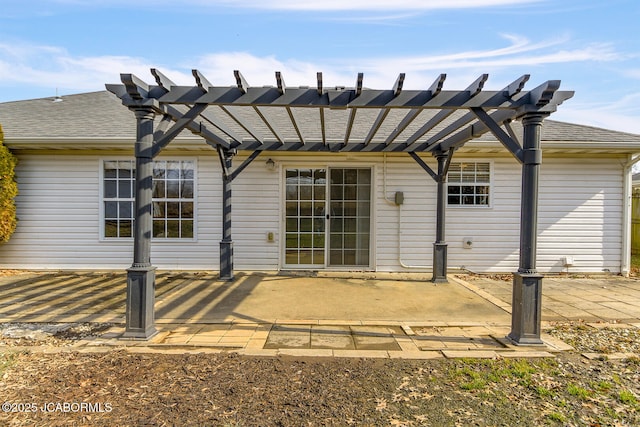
(173,198)
(468,184)
(118,190)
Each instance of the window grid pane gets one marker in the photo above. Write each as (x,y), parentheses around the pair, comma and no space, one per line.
(468,184)
(173,199)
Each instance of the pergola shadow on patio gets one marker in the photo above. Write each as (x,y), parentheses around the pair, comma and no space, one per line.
(254,298)
(337,120)
(270,298)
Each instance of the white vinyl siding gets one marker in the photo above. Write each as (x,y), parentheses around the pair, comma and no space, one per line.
(582,206)
(411,224)
(580,215)
(256,212)
(59,220)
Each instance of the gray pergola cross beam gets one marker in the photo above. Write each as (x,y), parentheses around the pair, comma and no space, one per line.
(247,110)
(346,98)
(476,113)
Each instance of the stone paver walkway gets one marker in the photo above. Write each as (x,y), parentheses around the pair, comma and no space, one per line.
(270,315)
(590,299)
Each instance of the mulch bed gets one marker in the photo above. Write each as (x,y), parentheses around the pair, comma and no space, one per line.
(66,388)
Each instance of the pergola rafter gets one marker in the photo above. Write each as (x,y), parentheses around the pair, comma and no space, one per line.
(338,119)
(510,102)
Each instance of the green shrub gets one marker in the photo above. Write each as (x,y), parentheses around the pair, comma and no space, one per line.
(8,191)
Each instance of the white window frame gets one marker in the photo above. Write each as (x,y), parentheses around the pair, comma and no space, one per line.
(462,184)
(102,213)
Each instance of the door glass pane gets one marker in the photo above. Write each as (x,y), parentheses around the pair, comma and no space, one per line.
(291,256)
(349,207)
(307,209)
(306,192)
(306,225)
(306,257)
(350,192)
(305,216)
(318,257)
(350,225)
(349,257)
(337,192)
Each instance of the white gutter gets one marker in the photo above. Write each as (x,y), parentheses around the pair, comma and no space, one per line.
(627,179)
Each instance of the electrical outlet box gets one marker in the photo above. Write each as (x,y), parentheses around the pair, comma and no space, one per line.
(399,199)
(271,237)
(567,261)
(467,242)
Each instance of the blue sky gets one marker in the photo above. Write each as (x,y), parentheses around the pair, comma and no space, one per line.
(73,46)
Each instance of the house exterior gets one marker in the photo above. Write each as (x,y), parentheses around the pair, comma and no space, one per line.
(373,211)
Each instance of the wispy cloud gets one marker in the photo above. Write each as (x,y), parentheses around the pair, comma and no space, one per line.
(52,67)
(633,73)
(370,4)
(620,114)
(381,71)
(320,5)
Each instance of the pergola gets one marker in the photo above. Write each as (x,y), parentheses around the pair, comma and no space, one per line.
(337,120)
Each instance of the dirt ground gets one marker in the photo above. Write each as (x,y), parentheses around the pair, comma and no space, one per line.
(121,388)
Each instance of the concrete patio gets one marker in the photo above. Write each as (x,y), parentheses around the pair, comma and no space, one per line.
(353,315)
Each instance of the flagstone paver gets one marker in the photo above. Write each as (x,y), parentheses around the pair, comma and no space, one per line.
(195,310)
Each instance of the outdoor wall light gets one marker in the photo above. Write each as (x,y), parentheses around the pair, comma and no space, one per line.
(271,165)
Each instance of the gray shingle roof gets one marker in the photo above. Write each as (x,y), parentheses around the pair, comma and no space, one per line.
(86,115)
(100,115)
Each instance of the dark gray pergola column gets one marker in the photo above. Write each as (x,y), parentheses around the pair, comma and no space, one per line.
(140,321)
(527,282)
(226,244)
(440,246)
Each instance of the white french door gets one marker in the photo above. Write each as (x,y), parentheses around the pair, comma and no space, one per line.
(327,217)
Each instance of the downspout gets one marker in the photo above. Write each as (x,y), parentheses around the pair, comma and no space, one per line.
(393,203)
(627,177)
(384,180)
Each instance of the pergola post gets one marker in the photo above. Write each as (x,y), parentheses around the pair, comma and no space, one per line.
(440,246)
(140,320)
(527,282)
(226,244)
